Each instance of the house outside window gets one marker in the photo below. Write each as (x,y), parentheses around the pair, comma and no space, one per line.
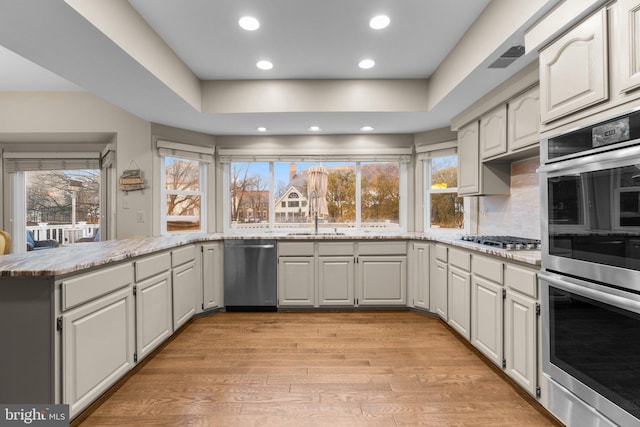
(352,194)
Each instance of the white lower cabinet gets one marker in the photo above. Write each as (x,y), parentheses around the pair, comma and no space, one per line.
(520,340)
(98,340)
(296,284)
(419,275)
(382,280)
(153,313)
(336,281)
(184,280)
(486,318)
(459,301)
(212,276)
(440,292)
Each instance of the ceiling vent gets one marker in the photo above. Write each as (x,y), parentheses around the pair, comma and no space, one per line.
(508,57)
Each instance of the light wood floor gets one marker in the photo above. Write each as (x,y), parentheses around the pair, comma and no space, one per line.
(397,368)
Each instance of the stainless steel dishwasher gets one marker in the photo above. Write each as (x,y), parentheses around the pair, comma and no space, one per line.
(250,275)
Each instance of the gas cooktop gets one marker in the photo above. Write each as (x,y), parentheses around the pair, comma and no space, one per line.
(505,242)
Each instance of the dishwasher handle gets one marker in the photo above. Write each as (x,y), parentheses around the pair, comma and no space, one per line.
(255,246)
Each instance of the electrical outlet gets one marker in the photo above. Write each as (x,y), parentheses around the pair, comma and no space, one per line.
(140,216)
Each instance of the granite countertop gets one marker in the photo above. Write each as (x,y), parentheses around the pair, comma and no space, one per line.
(70,259)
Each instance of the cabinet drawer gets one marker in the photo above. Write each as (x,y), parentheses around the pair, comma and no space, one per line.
(183,255)
(441,253)
(382,248)
(522,280)
(152,266)
(460,259)
(488,268)
(335,248)
(80,289)
(295,249)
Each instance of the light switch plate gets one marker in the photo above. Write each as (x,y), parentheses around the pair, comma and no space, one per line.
(140,216)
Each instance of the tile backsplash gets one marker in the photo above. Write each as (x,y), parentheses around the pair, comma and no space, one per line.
(518,213)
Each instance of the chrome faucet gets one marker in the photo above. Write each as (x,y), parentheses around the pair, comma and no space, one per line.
(313,194)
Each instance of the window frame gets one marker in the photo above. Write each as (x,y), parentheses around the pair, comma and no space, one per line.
(358,225)
(426,159)
(15,164)
(202,193)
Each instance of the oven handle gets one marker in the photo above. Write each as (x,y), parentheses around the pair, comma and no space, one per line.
(615,297)
(593,162)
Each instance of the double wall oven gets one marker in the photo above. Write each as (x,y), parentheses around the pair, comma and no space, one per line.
(591,272)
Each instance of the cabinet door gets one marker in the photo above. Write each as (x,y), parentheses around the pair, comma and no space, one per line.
(486,318)
(520,338)
(460,301)
(420,275)
(629,30)
(153,313)
(382,280)
(296,286)
(212,276)
(335,281)
(523,120)
(97,347)
(468,159)
(440,288)
(573,69)
(493,132)
(184,293)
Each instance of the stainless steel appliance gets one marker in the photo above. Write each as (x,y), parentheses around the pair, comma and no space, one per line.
(250,275)
(590,277)
(593,349)
(505,242)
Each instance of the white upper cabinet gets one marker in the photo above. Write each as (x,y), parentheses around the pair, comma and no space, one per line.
(523,120)
(628,29)
(468,159)
(573,69)
(493,132)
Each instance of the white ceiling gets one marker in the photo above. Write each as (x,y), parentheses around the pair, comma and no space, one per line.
(310,39)
(56,49)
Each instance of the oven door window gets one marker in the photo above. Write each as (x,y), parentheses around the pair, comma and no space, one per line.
(566,201)
(627,198)
(598,344)
(594,216)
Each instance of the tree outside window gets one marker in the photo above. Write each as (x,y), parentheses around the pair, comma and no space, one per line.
(446,209)
(183,194)
(379,194)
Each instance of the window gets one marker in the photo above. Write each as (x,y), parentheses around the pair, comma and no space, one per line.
(444,209)
(380,194)
(56,199)
(183,186)
(183,182)
(345,194)
(63,205)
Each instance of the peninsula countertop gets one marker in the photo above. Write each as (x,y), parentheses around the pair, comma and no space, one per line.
(70,259)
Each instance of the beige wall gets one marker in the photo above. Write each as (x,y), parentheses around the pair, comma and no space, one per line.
(44,117)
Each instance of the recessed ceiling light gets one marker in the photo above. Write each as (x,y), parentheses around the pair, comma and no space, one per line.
(261,129)
(314,128)
(366,128)
(264,65)
(365,64)
(379,22)
(249,23)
